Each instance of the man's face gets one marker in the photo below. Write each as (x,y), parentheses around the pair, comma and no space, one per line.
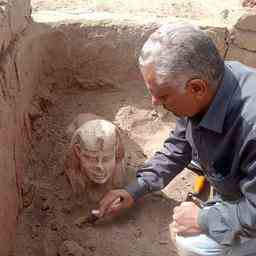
(98,165)
(182,102)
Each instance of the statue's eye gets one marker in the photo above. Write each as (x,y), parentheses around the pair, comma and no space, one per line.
(90,158)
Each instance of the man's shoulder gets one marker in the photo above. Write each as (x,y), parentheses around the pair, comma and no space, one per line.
(234,64)
(242,106)
(244,96)
(240,70)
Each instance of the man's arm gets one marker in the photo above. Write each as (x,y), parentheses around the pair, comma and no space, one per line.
(227,221)
(154,175)
(157,172)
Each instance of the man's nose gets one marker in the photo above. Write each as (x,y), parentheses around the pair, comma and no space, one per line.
(155,101)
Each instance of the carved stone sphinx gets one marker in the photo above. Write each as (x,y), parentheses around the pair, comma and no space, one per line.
(94,162)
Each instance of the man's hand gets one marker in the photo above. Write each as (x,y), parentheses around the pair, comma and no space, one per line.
(185,219)
(113,202)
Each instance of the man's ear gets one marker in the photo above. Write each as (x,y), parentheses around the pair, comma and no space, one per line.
(197,87)
(77,150)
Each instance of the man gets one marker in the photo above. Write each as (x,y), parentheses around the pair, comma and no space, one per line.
(215,103)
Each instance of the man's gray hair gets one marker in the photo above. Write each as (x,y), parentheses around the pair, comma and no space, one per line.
(179,52)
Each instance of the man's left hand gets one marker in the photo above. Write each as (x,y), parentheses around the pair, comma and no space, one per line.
(185,221)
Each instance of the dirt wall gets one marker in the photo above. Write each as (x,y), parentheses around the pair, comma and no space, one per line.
(14,18)
(96,54)
(243,40)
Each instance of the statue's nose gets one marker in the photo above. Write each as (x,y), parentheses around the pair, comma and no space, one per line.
(99,165)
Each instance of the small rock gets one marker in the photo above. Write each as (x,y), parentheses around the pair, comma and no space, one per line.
(28,194)
(225,14)
(34,232)
(45,206)
(43,197)
(92,248)
(54,225)
(79,222)
(138,233)
(183,177)
(64,232)
(162,242)
(154,113)
(71,248)
(38,225)
(66,209)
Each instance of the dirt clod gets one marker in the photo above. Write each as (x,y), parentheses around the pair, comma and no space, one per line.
(71,248)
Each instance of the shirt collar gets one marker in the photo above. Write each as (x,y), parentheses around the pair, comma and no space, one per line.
(215,115)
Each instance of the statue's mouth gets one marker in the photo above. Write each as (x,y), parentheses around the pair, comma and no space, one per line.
(100,178)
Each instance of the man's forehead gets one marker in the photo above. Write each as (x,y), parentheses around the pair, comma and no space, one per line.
(160,90)
(153,83)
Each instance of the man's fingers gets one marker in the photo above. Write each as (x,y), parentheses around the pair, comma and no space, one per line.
(185,219)
(179,228)
(176,209)
(183,230)
(177,217)
(114,201)
(106,203)
(107,198)
(185,204)
(115,207)
(117,203)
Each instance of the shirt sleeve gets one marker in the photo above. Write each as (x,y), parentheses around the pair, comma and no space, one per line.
(158,171)
(226,222)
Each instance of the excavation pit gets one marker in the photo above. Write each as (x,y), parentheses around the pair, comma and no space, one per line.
(88,70)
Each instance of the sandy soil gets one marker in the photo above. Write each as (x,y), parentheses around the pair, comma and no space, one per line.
(215,12)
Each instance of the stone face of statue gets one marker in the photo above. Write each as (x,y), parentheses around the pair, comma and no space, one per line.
(97,150)
(94,161)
